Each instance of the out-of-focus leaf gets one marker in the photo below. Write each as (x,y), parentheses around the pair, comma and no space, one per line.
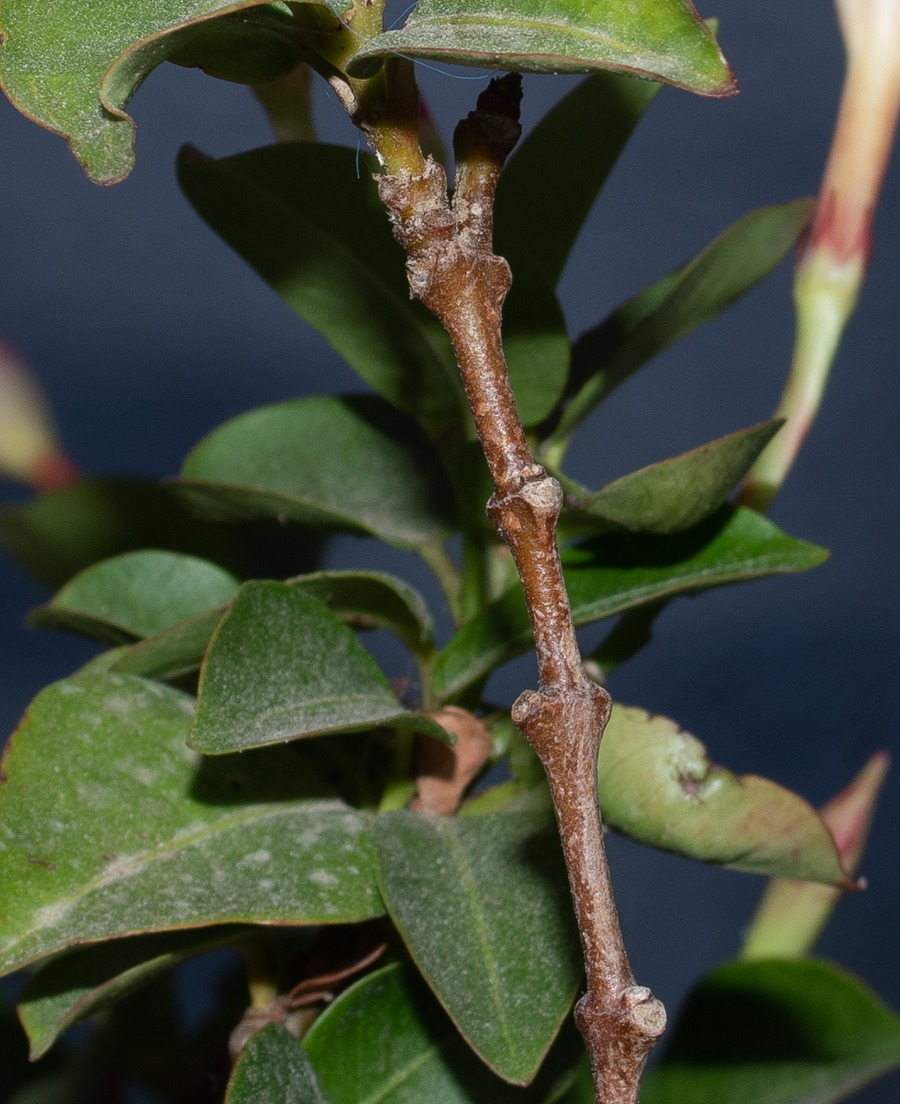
(674,494)
(137,594)
(662,39)
(387,1039)
(75,985)
(112,826)
(273,1069)
(535,343)
(791,914)
(58,535)
(288,105)
(350,462)
(678,304)
(363,599)
(282,666)
(775,1032)
(18,1072)
(310,222)
(30,450)
(246,47)
(73,67)
(483,905)
(175,652)
(658,786)
(615,573)
(547,190)
(556,172)
(373,600)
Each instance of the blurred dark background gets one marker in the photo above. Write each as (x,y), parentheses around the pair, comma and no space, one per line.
(147,332)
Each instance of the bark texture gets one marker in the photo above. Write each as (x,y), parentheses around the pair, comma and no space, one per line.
(453,270)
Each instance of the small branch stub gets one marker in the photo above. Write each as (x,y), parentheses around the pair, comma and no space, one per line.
(453,270)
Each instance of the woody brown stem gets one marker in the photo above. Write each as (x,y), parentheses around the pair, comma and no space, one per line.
(453,270)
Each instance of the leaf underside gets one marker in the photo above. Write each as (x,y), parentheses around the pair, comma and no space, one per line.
(775,1032)
(661,39)
(658,786)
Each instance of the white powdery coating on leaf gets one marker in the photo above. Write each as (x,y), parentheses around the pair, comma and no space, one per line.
(323,878)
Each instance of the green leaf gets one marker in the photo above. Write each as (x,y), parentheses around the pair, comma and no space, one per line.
(548,188)
(73,67)
(273,1069)
(310,221)
(253,46)
(675,494)
(557,172)
(387,1039)
(137,834)
(75,985)
(662,39)
(373,600)
(350,462)
(175,652)
(776,1032)
(137,594)
(56,536)
(535,344)
(659,787)
(615,573)
(363,599)
(483,905)
(282,666)
(678,304)
(20,1075)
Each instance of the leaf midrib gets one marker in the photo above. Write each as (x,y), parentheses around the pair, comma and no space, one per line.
(465,872)
(162,851)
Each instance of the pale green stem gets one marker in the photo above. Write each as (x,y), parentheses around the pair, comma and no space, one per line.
(825,294)
(447,573)
(261,982)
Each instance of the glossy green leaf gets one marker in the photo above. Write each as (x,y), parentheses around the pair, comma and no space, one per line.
(387,1039)
(363,599)
(548,188)
(273,1069)
(75,985)
(674,494)
(775,1032)
(662,39)
(56,536)
(615,573)
(350,462)
(484,907)
(73,67)
(112,826)
(659,787)
(308,218)
(280,666)
(678,304)
(137,594)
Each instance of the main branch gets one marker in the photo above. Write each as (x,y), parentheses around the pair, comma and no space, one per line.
(453,270)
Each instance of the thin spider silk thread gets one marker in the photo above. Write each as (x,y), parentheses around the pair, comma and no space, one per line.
(415,61)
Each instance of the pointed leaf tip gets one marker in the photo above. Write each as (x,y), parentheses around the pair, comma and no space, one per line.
(658,786)
(264,680)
